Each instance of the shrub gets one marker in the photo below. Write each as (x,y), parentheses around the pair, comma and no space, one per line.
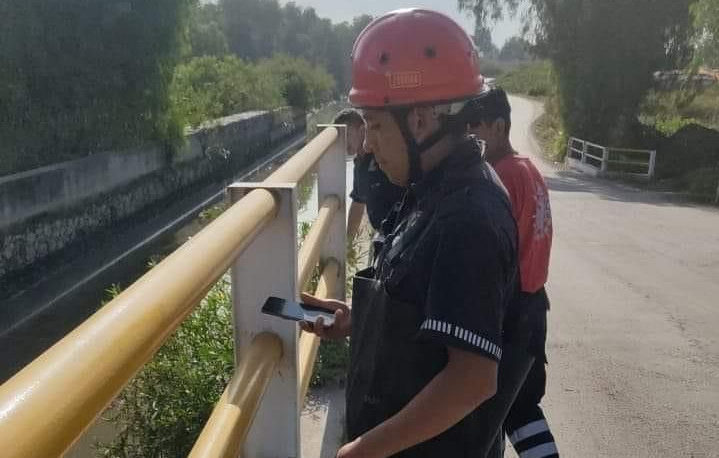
(78,77)
(534,79)
(702,183)
(211,87)
(164,408)
(302,84)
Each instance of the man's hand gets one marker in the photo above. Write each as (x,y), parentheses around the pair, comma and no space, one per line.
(356,449)
(348,451)
(467,381)
(336,331)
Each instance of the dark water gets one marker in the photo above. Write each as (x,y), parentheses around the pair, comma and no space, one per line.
(65,298)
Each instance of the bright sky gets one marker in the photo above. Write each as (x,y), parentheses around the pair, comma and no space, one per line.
(345,10)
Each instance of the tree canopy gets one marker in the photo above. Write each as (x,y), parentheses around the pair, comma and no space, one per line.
(78,77)
(705,14)
(603,53)
(84,76)
(258,29)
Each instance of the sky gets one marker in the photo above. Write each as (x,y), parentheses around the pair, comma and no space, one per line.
(345,10)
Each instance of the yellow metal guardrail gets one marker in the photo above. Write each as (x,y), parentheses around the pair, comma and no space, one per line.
(227,428)
(232,417)
(46,406)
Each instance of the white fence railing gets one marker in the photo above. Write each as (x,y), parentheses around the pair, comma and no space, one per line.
(597,160)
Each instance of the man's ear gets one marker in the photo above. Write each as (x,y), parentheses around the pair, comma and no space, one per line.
(499,127)
(421,121)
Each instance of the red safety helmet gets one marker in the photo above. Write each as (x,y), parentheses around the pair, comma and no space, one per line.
(412,57)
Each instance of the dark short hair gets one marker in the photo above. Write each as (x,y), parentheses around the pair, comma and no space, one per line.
(489,107)
(348,116)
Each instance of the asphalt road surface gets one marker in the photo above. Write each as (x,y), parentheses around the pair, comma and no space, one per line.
(634,327)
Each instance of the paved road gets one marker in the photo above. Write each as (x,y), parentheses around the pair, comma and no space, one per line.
(634,326)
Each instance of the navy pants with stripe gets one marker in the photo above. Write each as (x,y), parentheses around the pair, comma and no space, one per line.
(525,425)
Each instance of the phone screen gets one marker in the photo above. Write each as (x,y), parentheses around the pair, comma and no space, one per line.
(296,311)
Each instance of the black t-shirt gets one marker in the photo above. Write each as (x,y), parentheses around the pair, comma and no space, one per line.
(372,188)
(453,253)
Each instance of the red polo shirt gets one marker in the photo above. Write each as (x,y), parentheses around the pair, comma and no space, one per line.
(530,208)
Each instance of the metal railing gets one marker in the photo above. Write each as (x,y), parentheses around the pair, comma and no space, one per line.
(602,160)
(46,406)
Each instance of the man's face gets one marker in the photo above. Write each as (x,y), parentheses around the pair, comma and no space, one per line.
(355,139)
(490,132)
(384,139)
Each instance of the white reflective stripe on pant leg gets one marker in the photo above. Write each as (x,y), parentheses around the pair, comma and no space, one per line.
(540,451)
(528,430)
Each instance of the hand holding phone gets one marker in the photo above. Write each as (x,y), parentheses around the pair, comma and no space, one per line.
(297,311)
(342,324)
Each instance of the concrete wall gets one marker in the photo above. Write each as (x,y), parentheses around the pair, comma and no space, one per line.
(44,210)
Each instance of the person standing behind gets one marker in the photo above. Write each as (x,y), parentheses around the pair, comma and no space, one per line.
(490,119)
(371,189)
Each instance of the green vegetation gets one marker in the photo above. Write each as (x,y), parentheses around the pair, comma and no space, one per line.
(117,74)
(702,183)
(600,87)
(206,33)
(669,111)
(603,55)
(78,77)
(164,408)
(705,14)
(550,134)
(258,29)
(302,84)
(534,79)
(211,87)
(333,356)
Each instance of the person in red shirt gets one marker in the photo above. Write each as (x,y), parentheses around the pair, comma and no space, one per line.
(490,120)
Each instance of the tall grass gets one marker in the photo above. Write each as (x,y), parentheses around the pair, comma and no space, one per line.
(533,79)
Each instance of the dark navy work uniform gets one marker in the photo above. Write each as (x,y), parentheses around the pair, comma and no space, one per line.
(446,276)
(372,188)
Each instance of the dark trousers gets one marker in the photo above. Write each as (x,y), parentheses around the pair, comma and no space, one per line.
(526,426)
(513,369)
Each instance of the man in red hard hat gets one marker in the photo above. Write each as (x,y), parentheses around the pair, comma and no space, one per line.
(427,320)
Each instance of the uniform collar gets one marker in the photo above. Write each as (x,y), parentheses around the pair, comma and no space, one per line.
(465,153)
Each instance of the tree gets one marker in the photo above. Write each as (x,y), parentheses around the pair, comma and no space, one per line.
(78,77)
(483,41)
(603,53)
(515,49)
(207,33)
(209,87)
(340,49)
(302,84)
(705,14)
(251,27)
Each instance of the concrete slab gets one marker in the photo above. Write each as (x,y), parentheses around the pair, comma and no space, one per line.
(322,422)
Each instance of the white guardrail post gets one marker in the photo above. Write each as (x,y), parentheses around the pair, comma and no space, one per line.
(605,159)
(268,267)
(332,180)
(652,163)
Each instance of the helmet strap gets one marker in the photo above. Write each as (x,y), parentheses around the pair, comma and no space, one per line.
(414,149)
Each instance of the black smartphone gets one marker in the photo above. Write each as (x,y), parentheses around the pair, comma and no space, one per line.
(297,311)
